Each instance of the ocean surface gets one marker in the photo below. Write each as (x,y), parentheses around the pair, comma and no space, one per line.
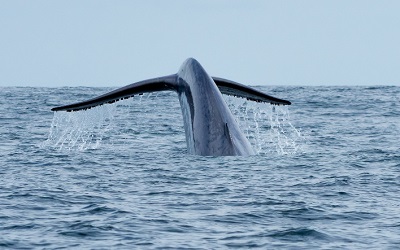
(326,174)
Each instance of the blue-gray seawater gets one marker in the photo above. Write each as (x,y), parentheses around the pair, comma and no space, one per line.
(326,176)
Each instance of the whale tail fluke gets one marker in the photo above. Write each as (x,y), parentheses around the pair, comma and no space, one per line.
(227,87)
(210,127)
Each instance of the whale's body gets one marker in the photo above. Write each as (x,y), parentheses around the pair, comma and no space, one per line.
(211,129)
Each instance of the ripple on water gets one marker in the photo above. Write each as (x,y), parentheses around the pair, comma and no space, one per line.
(137,187)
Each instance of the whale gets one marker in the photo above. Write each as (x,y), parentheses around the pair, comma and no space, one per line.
(210,127)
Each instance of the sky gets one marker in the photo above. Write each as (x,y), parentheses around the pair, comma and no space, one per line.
(255,42)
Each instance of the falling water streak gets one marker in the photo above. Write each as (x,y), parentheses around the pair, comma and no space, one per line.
(267,127)
(80,130)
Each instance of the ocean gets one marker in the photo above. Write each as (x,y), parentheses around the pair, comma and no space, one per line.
(326,174)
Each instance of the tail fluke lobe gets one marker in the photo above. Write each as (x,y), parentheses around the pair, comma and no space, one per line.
(232,88)
(146,86)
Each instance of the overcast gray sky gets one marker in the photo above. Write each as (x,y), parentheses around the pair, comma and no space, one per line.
(260,42)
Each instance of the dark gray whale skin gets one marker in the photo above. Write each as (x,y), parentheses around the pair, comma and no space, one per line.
(211,129)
